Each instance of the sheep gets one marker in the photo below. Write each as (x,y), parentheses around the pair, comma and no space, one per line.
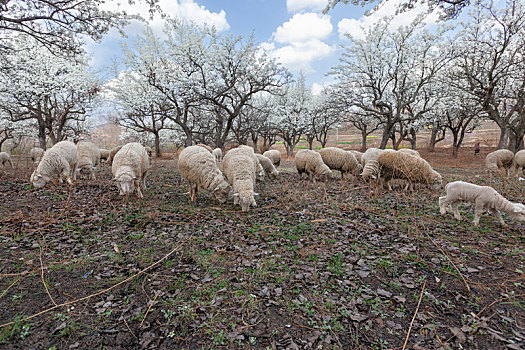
(357,155)
(412,152)
(501,158)
(5,158)
(259,172)
(370,164)
(112,153)
(311,163)
(36,153)
(88,157)
(484,197)
(371,153)
(208,148)
(240,166)
(338,159)
(104,154)
(268,166)
(217,153)
(149,151)
(198,166)
(398,165)
(274,155)
(519,163)
(129,168)
(58,161)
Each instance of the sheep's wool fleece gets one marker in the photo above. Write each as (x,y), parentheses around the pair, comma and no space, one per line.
(404,166)
(499,158)
(131,156)
(467,192)
(274,155)
(112,153)
(240,165)
(311,162)
(4,157)
(412,152)
(519,159)
(88,154)
(104,153)
(36,152)
(358,156)
(198,166)
(370,154)
(208,148)
(62,156)
(339,159)
(267,164)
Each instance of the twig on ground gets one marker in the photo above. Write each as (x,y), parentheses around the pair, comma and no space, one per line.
(42,274)
(149,308)
(415,314)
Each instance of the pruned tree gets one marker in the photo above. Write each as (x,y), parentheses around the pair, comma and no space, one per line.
(323,117)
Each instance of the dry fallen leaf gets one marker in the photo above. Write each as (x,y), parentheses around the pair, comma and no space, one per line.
(115,248)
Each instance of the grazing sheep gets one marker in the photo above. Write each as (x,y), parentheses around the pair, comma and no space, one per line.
(217,153)
(338,159)
(240,166)
(198,166)
(519,163)
(484,197)
(88,157)
(104,154)
(259,170)
(412,152)
(112,153)
(274,155)
(370,170)
(58,161)
(357,155)
(36,153)
(311,163)
(129,168)
(501,158)
(398,165)
(208,148)
(5,158)
(149,151)
(268,166)
(370,154)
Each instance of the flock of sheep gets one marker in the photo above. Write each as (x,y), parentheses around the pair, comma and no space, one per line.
(235,174)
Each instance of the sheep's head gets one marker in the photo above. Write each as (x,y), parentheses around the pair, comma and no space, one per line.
(84,172)
(325,173)
(39,180)
(260,176)
(245,199)
(357,170)
(437,181)
(222,192)
(126,183)
(518,212)
(274,173)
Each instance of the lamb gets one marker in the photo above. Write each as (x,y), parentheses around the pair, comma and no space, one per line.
(519,162)
(129,168)
(104,154)
(88,157)
(36,153)
(274,155)
(198,166)
(412,152)
(501,158)
(484,197)
(357,155)
(58,161)
(240,166)
(338,159)
(398,165)
(112,153)
(268,166)
(217,153)
(5,158)
(311,163)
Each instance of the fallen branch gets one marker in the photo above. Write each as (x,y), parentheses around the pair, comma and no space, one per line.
(415,313)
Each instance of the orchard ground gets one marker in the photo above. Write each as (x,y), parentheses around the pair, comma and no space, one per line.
(314,266)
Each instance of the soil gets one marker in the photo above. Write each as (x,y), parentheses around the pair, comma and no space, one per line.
(315,266)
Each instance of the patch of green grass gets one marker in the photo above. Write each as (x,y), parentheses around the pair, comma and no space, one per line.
(18,330)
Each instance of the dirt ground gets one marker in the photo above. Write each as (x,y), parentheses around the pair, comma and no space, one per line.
(314,266)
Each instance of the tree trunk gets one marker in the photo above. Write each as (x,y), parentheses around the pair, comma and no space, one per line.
(310,139)
(434,139)
(503,137)
(455,146)
(385,138)
(157,145)
(363,140)
(413,138)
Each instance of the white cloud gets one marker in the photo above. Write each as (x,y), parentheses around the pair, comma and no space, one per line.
(303,27)
(358,27)
(297,5)
(300,56)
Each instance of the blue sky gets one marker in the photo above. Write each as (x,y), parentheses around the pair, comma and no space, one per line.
(295,32)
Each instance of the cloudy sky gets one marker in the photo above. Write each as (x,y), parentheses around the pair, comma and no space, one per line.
(295,32)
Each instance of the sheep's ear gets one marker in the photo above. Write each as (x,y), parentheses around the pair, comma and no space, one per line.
(255,194)
(236,195)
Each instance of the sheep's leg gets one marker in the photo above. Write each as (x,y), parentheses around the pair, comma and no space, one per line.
(478,213)
(139,192)
(454,206)
(443,203)
(144,181)
(497,213)
(11,162)
(93,177)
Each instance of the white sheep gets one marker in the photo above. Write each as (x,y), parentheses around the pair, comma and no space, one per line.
(36,153)
(519,163)
(58,161)
(240,165)
(370,165)
(112,153)
(129,168)
(208,148)
(357,155)
(370,154)
(149,151)
(104,154)
(412,152)
(5,158)
(398,165)
(484,197)
(198,166)
(274,155)
(268,166)
(88,157)
(339,159)
(259,170)
(217,153)
(499,159)
(311,163)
